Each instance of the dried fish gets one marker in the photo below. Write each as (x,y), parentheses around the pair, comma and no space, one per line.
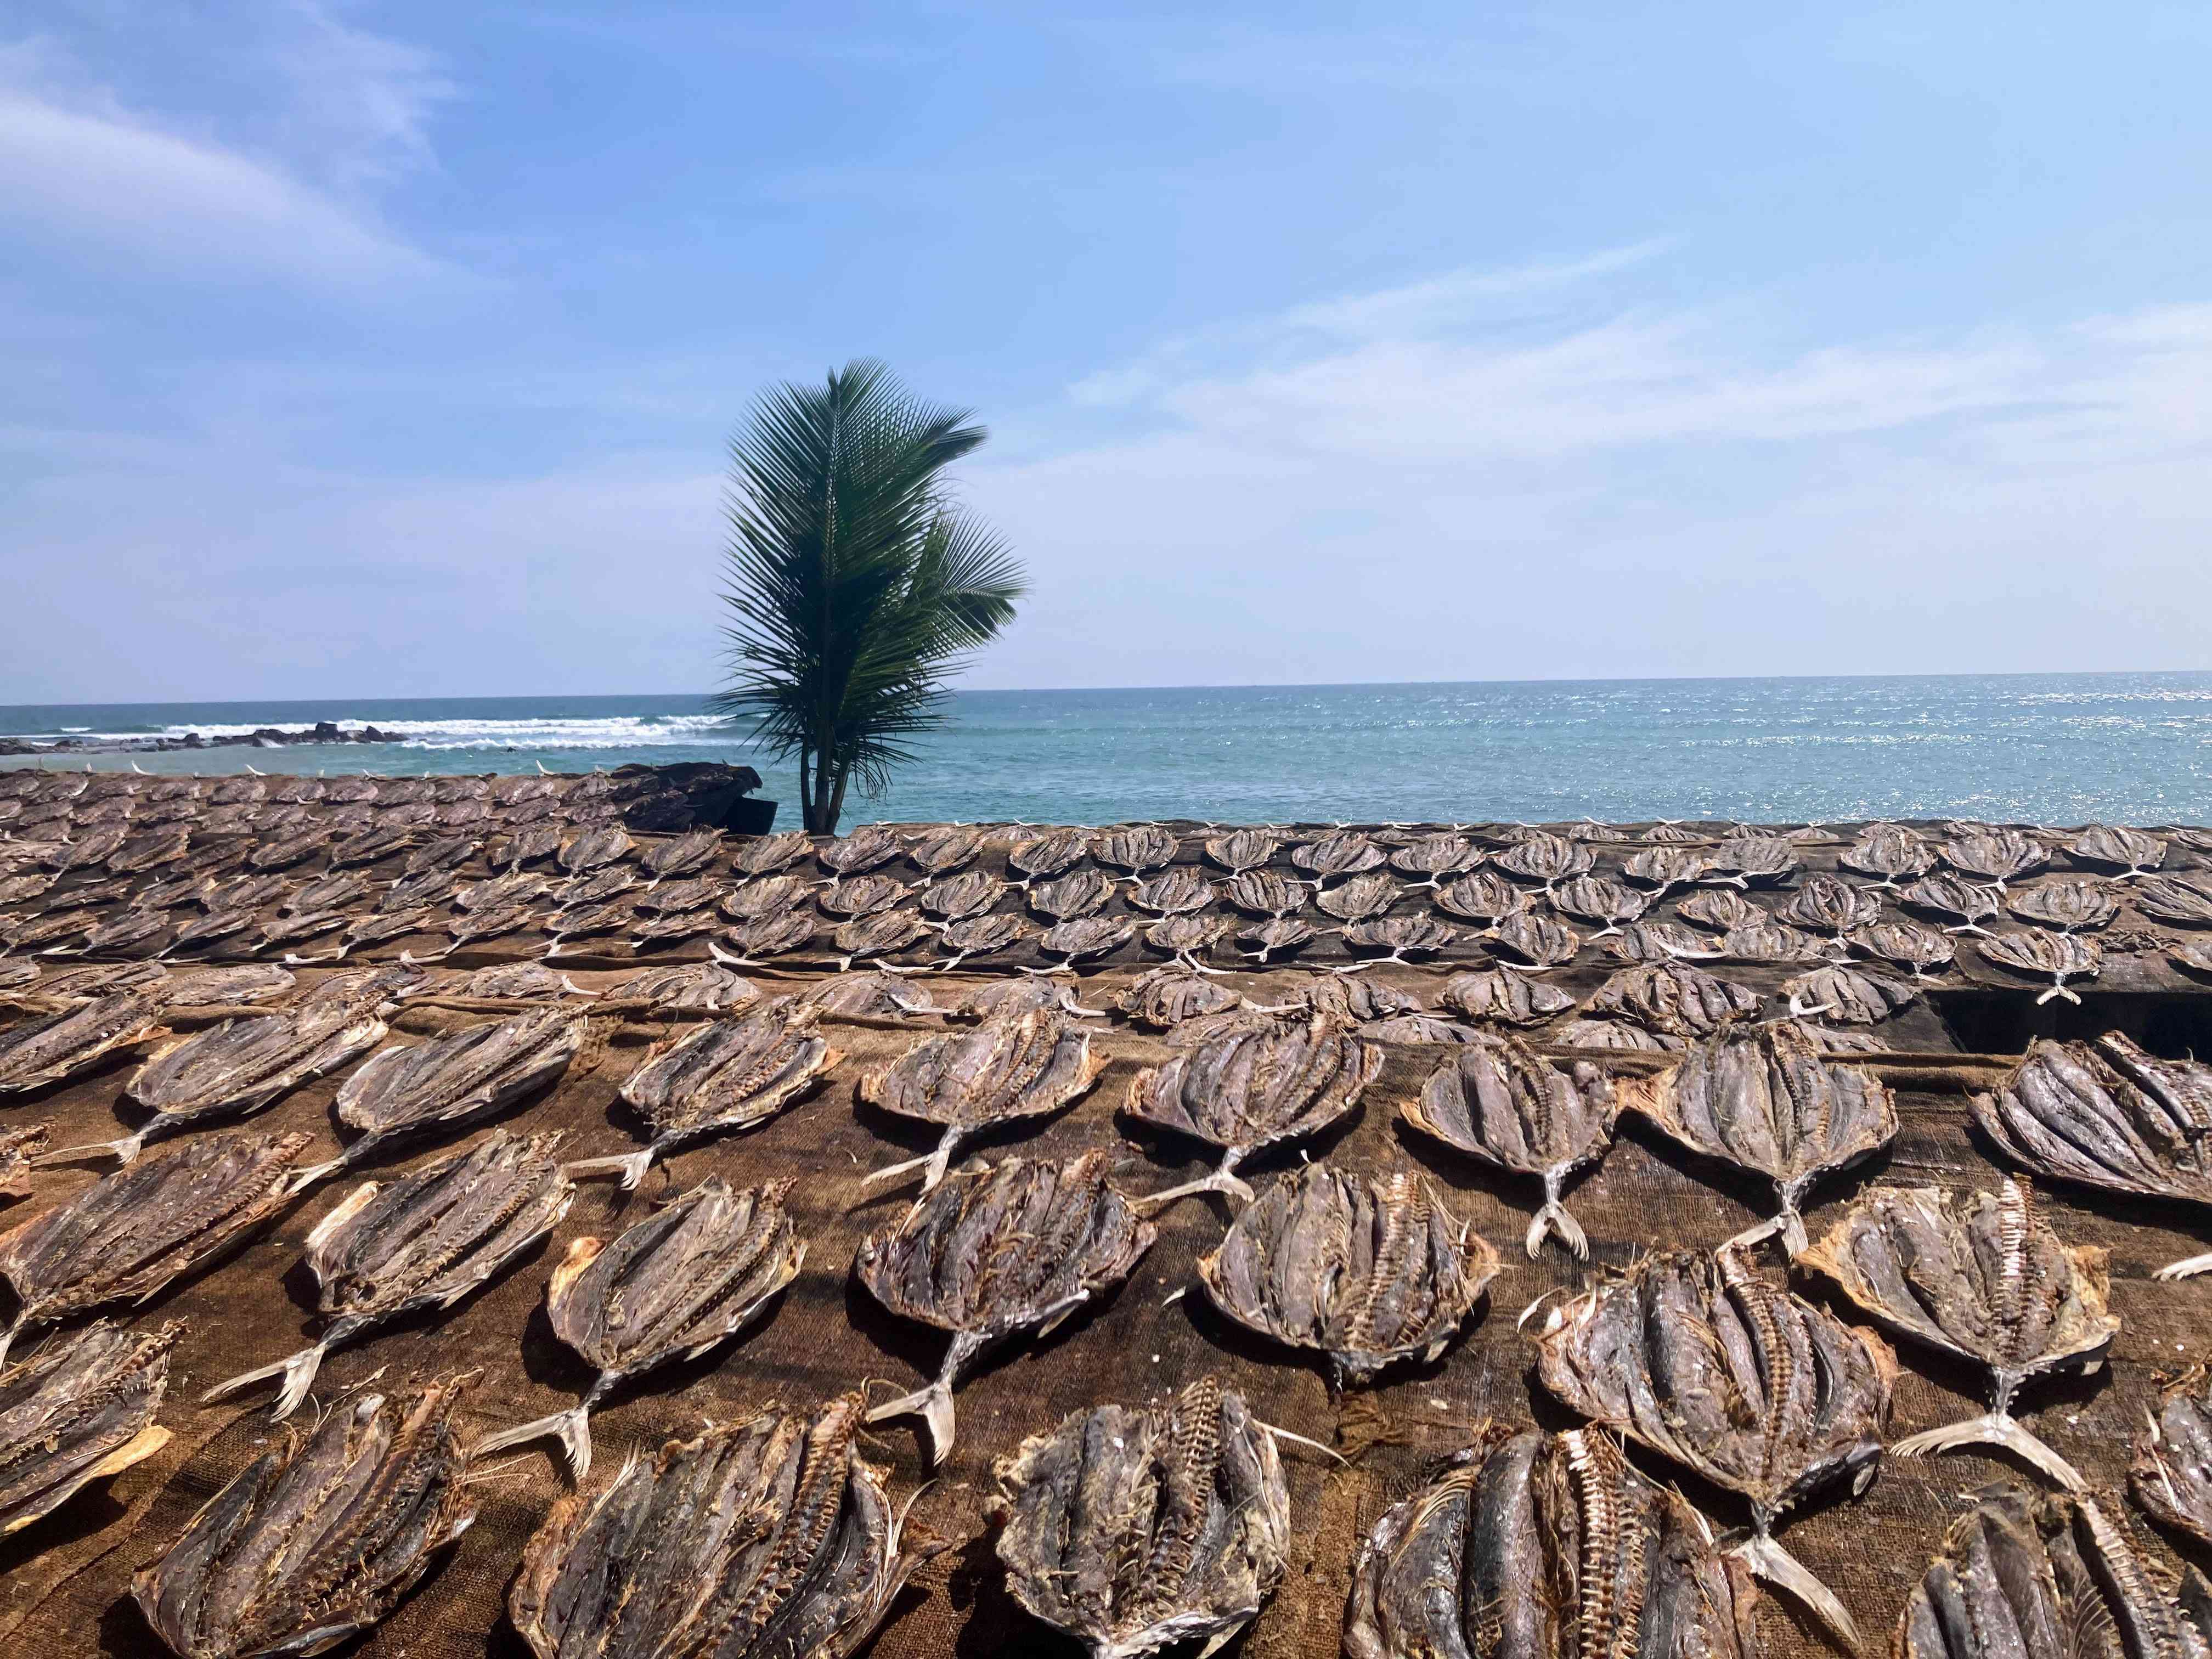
(409,1090)
(40,1052)
(767,897)
(72,987)
(885,933)
(2035,1574)
(681,855)
(1890,851)
(127,932)
(1179,891)
(1545,857)
(940,852)
(1347,998)
(980,936)
(1499,996)
(236,1068)
(90,897)
(2170,1475)
(686,987)
(1745,860)
(1996,856)
(131,1234)
(412,892)
(1847,994)
(870,845)
(1417,1029)
(1401,937)
(499,892)
(1138,1528)
(1079,893)
(1946,895)
(718,1078)
(2185,900)
(862,895)
(1436,856)
(1529,1545)
(1674,998)
(594,849)
(2109,1115)
(1016,996)
(1263,893)
(1706,1362)
(1187,937)
(1985,1279)
(149,851)
(1252,1088)
(79,1411)
(1598,899)
(1663,941)
(1537,940)
(1906,945)
(764,855)
(770,1538)
(1163,997)
(84,852)
(994,1249)
(677,1285)
(372,845)
(421,1240)
(40,935)
(320,1539)
(2032,951)
(1359,899)
(18,1149)
(771,936)
(1338,853)
(284,851)
(339,889)
(1367,1272)
(1484,896)
(1763,1099)
(1771,942)
(1050,855)
(1014,1066)
(2131,852)
(1243,849)
(18,890)
(869,995)
(532,844)
(513,982)
(1827,904)
(1138,849)
(2065,905)
(1498,1100)
(1086,937)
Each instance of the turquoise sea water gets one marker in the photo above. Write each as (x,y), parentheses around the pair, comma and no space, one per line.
(2058,749)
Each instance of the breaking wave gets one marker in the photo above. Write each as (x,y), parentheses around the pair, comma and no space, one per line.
(619,732)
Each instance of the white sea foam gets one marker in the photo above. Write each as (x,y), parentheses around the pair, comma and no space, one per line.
(620,731)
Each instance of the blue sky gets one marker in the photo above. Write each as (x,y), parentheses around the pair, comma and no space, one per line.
(390,349)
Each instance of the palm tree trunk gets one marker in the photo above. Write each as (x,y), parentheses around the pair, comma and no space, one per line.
(805,788)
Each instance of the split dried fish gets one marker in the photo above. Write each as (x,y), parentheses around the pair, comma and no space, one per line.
(1175,892)
(319,1539)
(1747,859)
(422,1239)
(767,897)
(1537,940)
(1133,1529)
(1163,997)
(1764,1100)
(982,936)
(1997,857)
(594,849)
(81,1410)
(499,892)
(1367,1272)
(1338,853)
(1674,998)
(1348,997)
(2065,905)
(1484,896)
(1243,849)
(764,855)
(1264,893)
(2034,952)
(863,850)
(411,1089)
(1053,854)
(1770,942)
(18,1149)
(528,844)
(869,995)
(994,1249)
(1252,1088)
(770,1538)
(1829,904)
(1982,1277)
(1498,1100)
(1598,899)
(940,852)
(339,889)
(2030,1574)
(1086,937)
(1359,899)
(1906,944)
(2131,852)
(131,1234)
(681,897)
(1498,996)
(130,932)
(1138,849)
(1079,893)
(287,850)
(771,936)
(885,933)
(2170,1475)
(862,895)
(1708,1363)
(1015,1066)
(2185,900)
(512,981)
(677,1285)
(1418,1030)
(149,851)
(1847,994)
(83,851)
(1530,1546)
(412,892)
(73,987)
(1436,856)
(367,846)
(1666,868)
(1946,895)
(972,893)
(1545,858)
(995,998)
(1889,851)
(683,855)
(1401,937)
(40,1052)
(1187,937)
(718,1078)
(2109,1115)
(686,987)
(1663,941)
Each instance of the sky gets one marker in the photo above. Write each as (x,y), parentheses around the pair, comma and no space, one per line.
(392,350)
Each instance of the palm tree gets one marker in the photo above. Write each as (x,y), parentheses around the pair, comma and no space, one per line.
(856,584)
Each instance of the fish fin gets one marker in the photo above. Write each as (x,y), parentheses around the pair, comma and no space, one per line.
(1770,1561)
(138,1448)
(297,1371)
(299,1180)
(124,1151)
(892,1172)
(8,1337)
(1221,1181)
(1994,1429)
(633,1166)
(2188,1267)
(573,1427)
(934,1405)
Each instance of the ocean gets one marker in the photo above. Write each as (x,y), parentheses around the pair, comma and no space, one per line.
(2056,749)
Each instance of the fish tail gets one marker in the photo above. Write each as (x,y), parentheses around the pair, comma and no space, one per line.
(2187,1267)
(124,1151)
(633,1166)
(573,1427)
(1769,1560)
(1221,1181)
(299,1180)
(892,1172)
(8,1336)
(1994,1429)
(1554,1218)
(934,1405)
(297,1371)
